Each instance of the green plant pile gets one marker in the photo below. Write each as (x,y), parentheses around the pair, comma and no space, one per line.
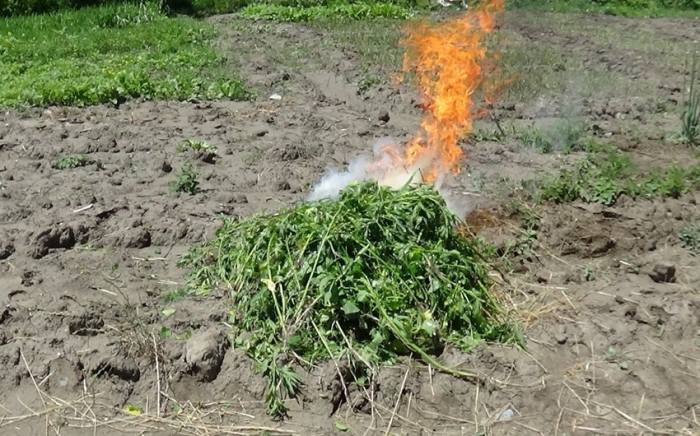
(603,177)
(367,277)
(110,53)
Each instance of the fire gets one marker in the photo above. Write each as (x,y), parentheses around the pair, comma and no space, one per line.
(448,60)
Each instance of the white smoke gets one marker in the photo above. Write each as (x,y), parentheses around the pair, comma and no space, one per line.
(461,204)
(335,181)
(384,167)
(387,169)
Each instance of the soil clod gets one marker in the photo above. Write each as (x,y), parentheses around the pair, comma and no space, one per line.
(6,250)
(662,272)
(129,238)
(204,353)
(61,236)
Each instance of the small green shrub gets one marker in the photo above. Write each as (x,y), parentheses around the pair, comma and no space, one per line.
(186,182)
(69,162)
(690,237)
(690,118)
(190,144)
(204,151)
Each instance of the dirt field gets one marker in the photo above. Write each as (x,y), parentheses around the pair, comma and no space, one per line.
(93,323)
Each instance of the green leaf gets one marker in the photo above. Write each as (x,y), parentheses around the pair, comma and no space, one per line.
(133,410)
(270,284)
(429,327)
(340,426)
(165,333)
(350,308)
(168,312)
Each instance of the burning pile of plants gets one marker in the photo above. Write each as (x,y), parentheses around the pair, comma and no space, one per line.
(380,271)
(379,268)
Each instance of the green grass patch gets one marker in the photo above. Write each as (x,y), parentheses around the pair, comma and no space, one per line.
(108,54)
(562,137)
(365,278)
(309,10)
(25,7)
(627,8)
(356,11)
(602,178)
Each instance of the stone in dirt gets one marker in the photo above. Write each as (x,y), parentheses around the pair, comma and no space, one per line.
(661,272)
(206,156)
(560,335)
(166,167)
(204,353)
(31,278)
(6,250)
(283,185)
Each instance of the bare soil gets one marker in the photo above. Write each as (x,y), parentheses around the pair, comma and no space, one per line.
(609,297)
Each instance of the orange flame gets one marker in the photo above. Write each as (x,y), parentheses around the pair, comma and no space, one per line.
(449,60)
